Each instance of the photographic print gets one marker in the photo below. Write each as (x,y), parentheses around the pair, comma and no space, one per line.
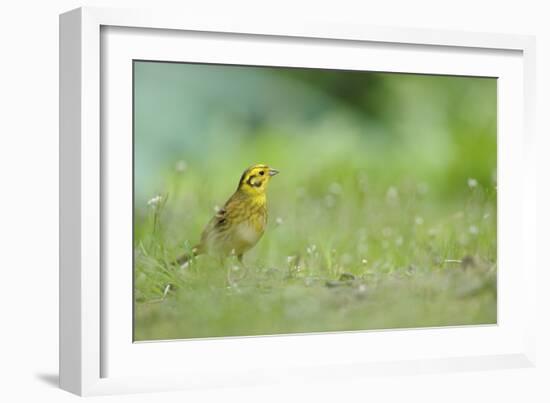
(274,200)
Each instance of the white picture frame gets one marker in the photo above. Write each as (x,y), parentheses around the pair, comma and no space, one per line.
(96,355)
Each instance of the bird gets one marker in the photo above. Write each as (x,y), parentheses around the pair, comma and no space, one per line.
(241,222)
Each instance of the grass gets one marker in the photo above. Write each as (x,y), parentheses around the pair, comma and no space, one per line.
(383,216)
(344,250)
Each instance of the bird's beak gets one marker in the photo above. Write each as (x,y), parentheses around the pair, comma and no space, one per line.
(273,172)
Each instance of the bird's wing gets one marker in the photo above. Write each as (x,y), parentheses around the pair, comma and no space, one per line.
(220,221)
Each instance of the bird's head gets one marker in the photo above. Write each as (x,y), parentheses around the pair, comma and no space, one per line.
(254,179)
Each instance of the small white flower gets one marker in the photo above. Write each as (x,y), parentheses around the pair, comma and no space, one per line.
(363,183)
(473,229)
(472,183)
(392,194)
(386,232)
(290,259)
(418,220)
(422,188)
(279,221)
(311,249)
(330,201)
(181,166)
(154,201)
(364,261)
(335,188)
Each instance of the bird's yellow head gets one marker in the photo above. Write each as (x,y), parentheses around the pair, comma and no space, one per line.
(254,180)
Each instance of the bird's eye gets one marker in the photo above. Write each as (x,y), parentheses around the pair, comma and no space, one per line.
(262,172)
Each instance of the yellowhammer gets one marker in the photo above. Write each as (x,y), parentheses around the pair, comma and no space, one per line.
(240,224)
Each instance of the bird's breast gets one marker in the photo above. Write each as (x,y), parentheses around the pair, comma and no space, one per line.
(248,233)
(251,229)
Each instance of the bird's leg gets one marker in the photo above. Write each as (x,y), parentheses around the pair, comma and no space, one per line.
(233,278)
(243,265)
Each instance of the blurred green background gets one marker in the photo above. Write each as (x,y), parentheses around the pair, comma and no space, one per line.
(383,216)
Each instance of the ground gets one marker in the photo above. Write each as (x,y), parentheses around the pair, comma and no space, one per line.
(340,259)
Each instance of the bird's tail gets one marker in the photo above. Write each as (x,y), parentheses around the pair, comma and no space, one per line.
(183,259)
